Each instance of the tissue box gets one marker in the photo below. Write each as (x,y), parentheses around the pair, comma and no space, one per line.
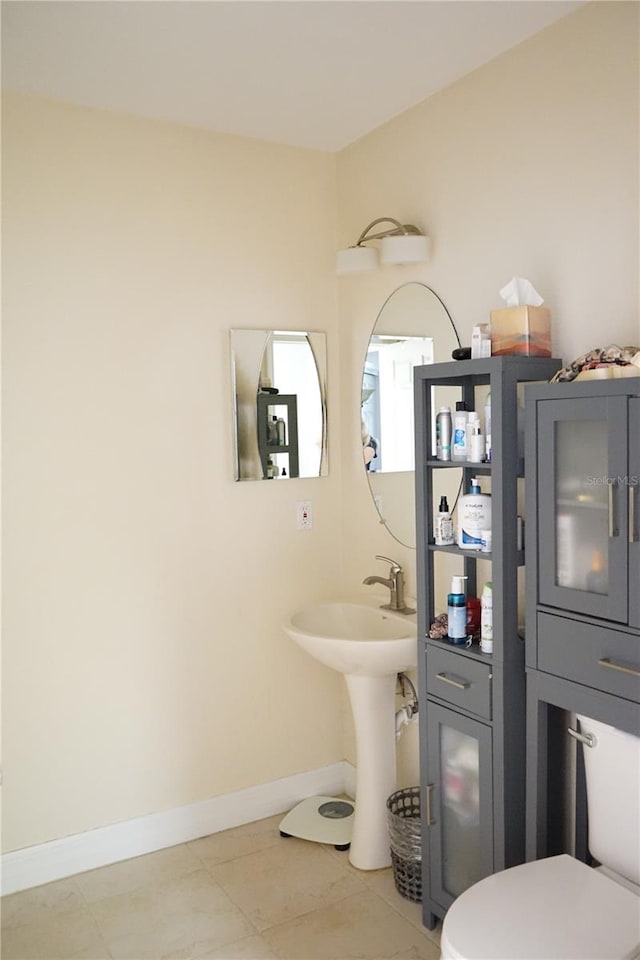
(522,330)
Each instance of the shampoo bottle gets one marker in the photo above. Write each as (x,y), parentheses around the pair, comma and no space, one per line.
(457,611)
(474,517)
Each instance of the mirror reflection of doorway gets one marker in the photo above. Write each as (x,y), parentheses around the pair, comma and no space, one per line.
(371,413)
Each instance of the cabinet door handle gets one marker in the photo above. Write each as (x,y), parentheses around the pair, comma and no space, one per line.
(430,822)
(587,738)
(613,524)
(622,667)
(632,515)
(460,684)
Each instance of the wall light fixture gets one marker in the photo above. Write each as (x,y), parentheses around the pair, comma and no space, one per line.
(402,243)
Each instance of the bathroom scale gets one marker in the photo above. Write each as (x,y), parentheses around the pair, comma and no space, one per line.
(322,820)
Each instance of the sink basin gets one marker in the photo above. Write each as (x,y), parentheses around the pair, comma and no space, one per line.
(370,646)
(355,639)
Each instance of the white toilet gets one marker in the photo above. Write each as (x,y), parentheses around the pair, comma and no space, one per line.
(559,908)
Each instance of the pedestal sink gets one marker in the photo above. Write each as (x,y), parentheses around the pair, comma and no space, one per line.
(370,646)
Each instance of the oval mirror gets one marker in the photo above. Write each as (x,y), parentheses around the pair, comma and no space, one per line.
(413,328)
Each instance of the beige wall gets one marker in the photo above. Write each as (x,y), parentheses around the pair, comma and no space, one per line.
(144,666)
(527,167)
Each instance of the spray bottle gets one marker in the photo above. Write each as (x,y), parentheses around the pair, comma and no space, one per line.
(443,434)
(457,611)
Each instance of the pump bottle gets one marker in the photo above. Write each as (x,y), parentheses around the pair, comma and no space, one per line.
(474,516)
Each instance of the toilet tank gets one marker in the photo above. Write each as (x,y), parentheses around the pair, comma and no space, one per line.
(612,770)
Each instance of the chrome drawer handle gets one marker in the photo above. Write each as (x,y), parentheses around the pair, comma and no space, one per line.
(623,668)
(460,684)
(632,516)
(587,738)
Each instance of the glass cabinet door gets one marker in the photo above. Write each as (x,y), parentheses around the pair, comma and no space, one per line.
(583,505)
(460,803)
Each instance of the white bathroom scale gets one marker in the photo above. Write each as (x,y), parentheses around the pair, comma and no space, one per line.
(321,819)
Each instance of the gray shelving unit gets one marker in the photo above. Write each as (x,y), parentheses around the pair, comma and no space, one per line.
(277,404)
(472,716)
(583,585)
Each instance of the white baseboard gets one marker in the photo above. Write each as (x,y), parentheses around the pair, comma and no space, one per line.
(32,866)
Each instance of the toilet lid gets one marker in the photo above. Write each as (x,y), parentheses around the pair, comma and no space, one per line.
(544,910)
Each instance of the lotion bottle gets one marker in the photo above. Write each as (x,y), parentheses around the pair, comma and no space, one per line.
(457,611)
(474,516)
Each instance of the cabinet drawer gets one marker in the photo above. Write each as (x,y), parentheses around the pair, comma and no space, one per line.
(599,657)
(459,680)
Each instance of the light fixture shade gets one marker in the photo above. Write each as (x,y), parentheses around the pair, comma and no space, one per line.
(357,260)
(407,248)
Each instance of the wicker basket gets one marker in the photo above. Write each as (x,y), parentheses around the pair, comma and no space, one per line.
(405,829)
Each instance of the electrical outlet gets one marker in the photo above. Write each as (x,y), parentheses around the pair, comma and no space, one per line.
(304,517)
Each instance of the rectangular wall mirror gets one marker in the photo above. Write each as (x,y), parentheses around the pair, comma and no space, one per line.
(279,381)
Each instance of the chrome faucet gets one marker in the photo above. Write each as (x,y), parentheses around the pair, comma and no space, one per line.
(395,583)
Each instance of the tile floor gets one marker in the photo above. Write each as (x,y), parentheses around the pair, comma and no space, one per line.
(245,893)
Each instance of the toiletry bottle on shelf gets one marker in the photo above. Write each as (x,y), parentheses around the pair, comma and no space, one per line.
(443,434)
(272,470)
(475,438)
(281,432)
(473,616)
(487,427)
(272,431)
(457,611)
(460,449)
(443,525)
(474,516)
(486,619)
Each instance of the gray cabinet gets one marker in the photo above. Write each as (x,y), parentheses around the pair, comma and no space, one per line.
(472,722)
(583,582)
(459,803)
(588,522)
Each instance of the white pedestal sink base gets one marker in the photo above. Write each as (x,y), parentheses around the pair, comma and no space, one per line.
(370,646)
(373,707)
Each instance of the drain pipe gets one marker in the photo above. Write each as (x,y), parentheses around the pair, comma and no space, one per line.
(407,712)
